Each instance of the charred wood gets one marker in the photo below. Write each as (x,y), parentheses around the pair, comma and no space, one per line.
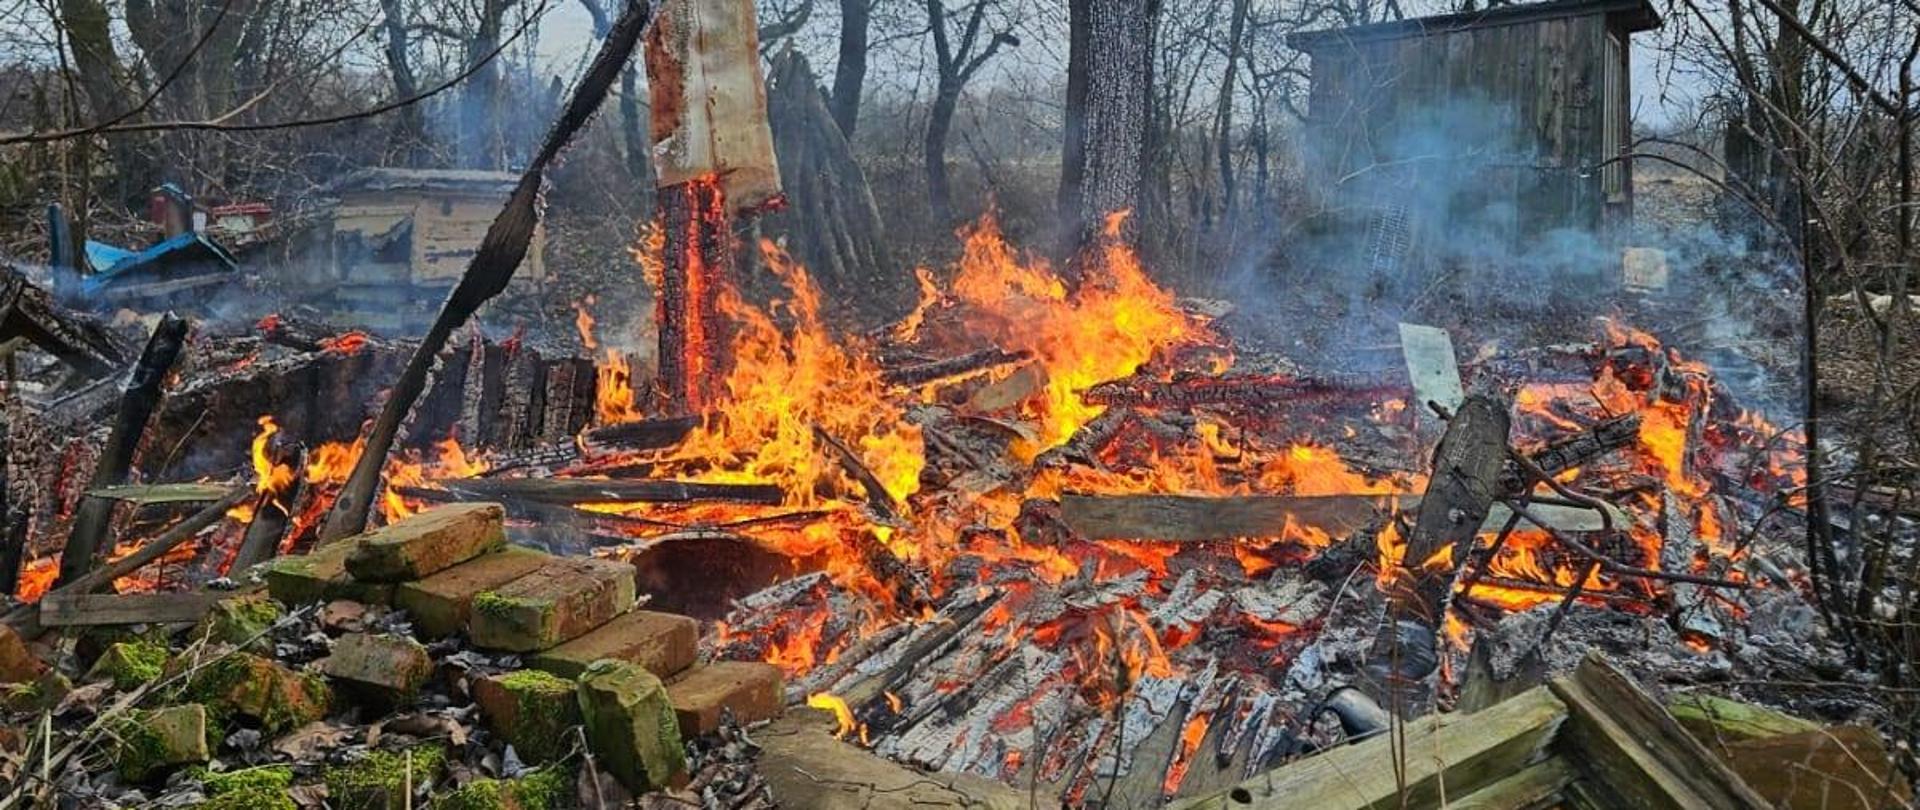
(1245,392)
(972,363)
(28,311)
(1575,451)
(696,222)
(270,520)
(571,491)
(1466,474)
(138,400)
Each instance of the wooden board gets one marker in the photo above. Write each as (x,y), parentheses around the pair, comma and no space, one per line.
(1439,755)
(1202,518)
(806,767)
(87,609)
(149,494)
(1638,752)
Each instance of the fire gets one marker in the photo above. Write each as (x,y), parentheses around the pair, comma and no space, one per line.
(842,714)
(344,343)
(1113,324)
(613,389)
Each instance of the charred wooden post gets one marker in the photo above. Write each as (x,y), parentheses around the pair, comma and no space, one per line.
(270,517)
(568,405)
(1575,450)
(714,154)
(1466,478)
(698,252)
(487,275)
(137,403)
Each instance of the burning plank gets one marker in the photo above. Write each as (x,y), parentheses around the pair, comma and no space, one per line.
(967,364)
(571,491)
(1245,391)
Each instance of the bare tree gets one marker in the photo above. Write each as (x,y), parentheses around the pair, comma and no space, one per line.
(850,72)
(958,57)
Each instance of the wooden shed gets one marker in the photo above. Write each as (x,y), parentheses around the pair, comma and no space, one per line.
(394,241)
(1509,117)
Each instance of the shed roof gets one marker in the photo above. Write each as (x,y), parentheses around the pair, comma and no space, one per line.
(1638,15)
(461,181)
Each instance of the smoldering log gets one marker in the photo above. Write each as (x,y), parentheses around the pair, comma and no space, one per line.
(1190,518)
(1576,450)
(570,491)
(698,252)
(626,437)
(138,400)
(1466,476)
(970,363)
(486,276)
(270,520)
(28,311)
(1246,392)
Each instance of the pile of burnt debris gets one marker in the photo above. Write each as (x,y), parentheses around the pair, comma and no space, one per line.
(979,549)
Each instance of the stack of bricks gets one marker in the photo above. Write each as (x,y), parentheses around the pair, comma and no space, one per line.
(630,677)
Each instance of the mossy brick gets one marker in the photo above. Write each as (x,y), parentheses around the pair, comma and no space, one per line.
(320,576)
(750,689)
(440,603)
(386,670)
(149,743)
(41,694)
(533,711)
(428,543)
(664,643)
(380,780)
(18,664)
(543,789)
(129,664)
(246,685)
(557,602)
(630,725)
(242,621)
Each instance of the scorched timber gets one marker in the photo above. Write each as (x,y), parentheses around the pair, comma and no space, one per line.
(627,437)
(1576,450)
(566,492)
(1243,392)
(974,363)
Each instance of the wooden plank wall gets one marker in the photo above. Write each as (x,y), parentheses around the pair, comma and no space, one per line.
(1544,75)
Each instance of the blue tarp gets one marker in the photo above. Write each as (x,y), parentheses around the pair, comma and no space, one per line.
(110,262)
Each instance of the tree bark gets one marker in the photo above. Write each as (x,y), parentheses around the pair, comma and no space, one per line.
(1223,108)
(481,133)
(409,126)
(137,403)
(89,32)
(934,149)
(850,72)
(1118,70)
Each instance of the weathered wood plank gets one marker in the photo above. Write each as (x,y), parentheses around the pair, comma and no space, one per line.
(1637,751)
(1538,786)
(1438,755)
(87,609)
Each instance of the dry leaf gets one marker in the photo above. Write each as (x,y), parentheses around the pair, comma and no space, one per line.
(312,741)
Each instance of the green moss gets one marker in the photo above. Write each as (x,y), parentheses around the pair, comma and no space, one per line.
(141,752)
(38,695)
(263,778)
(130,664)
(542,729)
(501,607)
(544,789)
(251,799)
(379,781)
(241,620)
(251,686)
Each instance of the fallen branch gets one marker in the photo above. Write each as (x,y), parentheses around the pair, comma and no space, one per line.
(966,364)
(878,498)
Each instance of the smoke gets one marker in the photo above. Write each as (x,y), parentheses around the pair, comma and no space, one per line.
(1451,216)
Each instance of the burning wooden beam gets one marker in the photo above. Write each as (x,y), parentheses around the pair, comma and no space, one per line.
(713,153)
(571,491)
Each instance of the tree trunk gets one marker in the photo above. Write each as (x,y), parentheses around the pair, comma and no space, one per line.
(1114,110)
(89,32)
(480,122)
(1223,108)
(939,123)
(1073,149)
(850,73)
(633,131)
(410,125)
